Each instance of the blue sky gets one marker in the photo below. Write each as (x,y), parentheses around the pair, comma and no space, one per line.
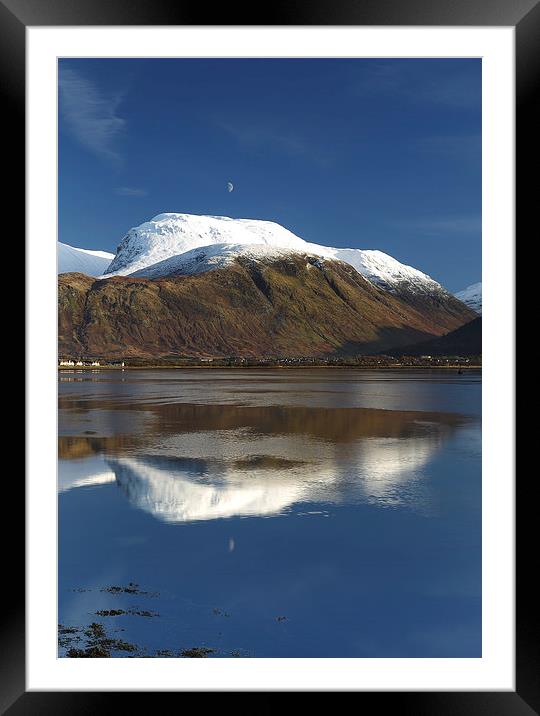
(366,153)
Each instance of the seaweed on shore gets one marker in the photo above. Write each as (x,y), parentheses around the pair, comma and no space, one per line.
(220,613)
(110,612)
(98,641)
(98,644)
(131,588)
(197,652)
(120,612)
(94,642)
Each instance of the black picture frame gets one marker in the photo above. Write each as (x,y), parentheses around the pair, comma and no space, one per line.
(524,15)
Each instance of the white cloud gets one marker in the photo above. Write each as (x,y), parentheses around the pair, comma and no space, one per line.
(456,146)
(455,225)
(455,87)
(130,191)
(257,136)
(90,115)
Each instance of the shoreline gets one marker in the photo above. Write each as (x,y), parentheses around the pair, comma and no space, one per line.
(64,369)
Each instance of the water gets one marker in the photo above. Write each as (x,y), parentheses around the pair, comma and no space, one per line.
(272,513)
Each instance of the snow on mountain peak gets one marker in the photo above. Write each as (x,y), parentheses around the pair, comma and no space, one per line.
(206,258)
(91,263)
(170,235)
(472,296)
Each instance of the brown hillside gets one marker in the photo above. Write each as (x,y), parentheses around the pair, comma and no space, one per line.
(294,306)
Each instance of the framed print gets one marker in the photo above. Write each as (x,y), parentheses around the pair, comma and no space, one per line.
(270,353)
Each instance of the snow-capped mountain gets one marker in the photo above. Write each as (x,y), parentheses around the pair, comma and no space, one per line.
(207,258)
(472,296)
(171,235)
(91,263)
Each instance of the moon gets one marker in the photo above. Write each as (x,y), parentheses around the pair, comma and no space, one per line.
(230,186)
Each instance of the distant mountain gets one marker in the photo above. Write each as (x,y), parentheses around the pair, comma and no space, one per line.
(91,263)
(191,285)
(185,244)
(464,341)
(472,296)
(253,301)
(171,235)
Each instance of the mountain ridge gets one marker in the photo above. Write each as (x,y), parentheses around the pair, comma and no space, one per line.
(472,296)
(73,259)
(169,235)
(291,304)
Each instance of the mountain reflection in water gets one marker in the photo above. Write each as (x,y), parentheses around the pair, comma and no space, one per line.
(273,513)
(203,462)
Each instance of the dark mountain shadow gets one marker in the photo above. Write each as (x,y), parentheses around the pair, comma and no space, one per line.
(387,340)
(464,341)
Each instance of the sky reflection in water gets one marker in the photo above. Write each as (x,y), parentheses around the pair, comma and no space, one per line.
(370,544)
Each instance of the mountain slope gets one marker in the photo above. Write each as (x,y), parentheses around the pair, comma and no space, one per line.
(171,234)
(472,296)
(464,341)
(207,258)
(92,263)
(172,244)
(283,304)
